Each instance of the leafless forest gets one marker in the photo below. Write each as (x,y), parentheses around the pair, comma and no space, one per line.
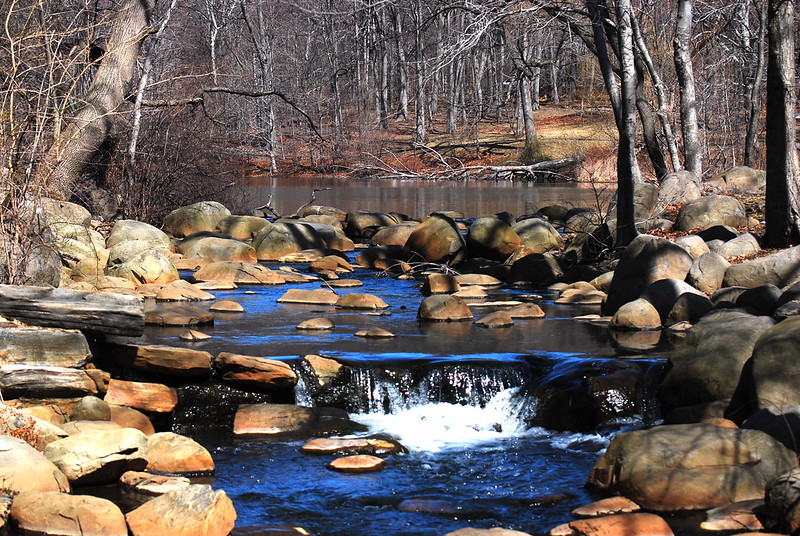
(136,106)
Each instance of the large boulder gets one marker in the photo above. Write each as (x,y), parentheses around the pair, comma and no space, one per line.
(492,238)
(161,359)
(539,269)
(332,235)
(53,513)
(538,235)
(705,366)
(58,211)
(444,308)
(125,230)
(771,376)
(214,248)
(646,259)
(149,266)
(143,396)
(49,347)
(23,468)
(241,227)
(258,373)
(711,210)
(275,240)
(168,452)
(393,235)
(708,272)
(99,457)
(437,239)
(741,178)
(638,314)
(690,466)
(202,216)
(195,510)
(744,244)
(238,273)
(678,188)
(282,420)
(359,224)
(82,250)
(665,292)
(779,269)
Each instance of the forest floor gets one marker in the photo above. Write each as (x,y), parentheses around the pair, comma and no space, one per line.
(587,134)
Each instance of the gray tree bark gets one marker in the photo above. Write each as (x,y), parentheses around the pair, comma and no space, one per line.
(692,149)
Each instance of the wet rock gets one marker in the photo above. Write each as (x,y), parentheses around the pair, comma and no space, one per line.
(254,372)
(646,259)
(189,512)
(707,272)
(782,503)
(497,319)
(444,308)
(202,216)
(637,524)
(483,280)
(526,310)
(279,420)
(179,290)
(278,239)
(581,296)
(46,382)
(737,516)
(345,283)
(357,463)
(239,273)
(472,292)
(636,315)
(374,333)
(540,270)
(366,445)
(160,359)
(131,418)
(241,227)
(147,267)
(779,269)
(152,485)
(325,369)
(91,408)
(319,323)
(740,178)
(771,376)
(440,284)
(608,506)
(494,531)
(100,456)
(429,506)
(711,210)
(192,335)
(437,239)
(492,238)
(54,513)
(226,306)
(168,452)
(177,315)
(706,365)
(538,235)
(693,244)
(360,301)
(316,296)
(690,466)
(142,396)
(38,346)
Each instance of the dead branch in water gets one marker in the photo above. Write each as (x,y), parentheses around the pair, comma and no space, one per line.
(268,207)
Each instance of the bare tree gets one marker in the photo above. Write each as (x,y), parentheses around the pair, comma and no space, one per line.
(692,149)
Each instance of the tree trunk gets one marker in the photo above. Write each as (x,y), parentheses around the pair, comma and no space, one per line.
(754,93)
(402,67)
(79,142)
(783,191)
(597,12)
(420,130)
(692,149)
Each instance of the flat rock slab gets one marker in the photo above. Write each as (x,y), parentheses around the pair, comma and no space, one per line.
(152,485)
(339,445)
(189,512)
(374,333)
(46,382)
(616,525)
(320,323)
(142,396)
(50,512)
(177,315)
(360,301)
(193,335)
(226,306)
(309,296)
(289,420)
(497,319)
(39,346)
(478,279)
(239,273)
(254,372)
(345,283)
(737,516)
(159,359)
(608,506)
(357,463)
(181,290)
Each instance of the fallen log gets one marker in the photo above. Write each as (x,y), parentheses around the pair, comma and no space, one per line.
(93,312)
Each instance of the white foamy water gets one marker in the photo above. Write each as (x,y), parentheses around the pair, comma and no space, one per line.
(433,427)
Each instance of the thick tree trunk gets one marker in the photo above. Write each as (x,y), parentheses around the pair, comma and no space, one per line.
(79,142)
(783,191)
(692,149)
(597,13)
(754,93)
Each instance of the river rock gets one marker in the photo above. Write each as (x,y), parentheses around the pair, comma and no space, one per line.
(708,272)
(492,238)
(344,283)
(607,506)
(46,382)
(177,315)
(736,516)
(254,372)
(678,188)
(437,239)
(705,366)
(54,513)
(646,259)
(393,235)
(77,427)
(762,300)
(444,308)
(440,284)
(665,292)
(202,216)
(126,250)
(711,210)
(690,466)
(195,510)
(107,283)
(483,280)
(90,408)
(320,323)
(740,178)
(357,463)
(526,310)
(782,503)
(150,266)
(538,235)
(374,333)
(782,423)
(152,485)
(181,290)
(779,269)
(496,319)
(581,296)
(278,420)
(637,524)
(332,236)
(40,346)
(689,307)
(226,306)
(142,396)
(324,369)
(82,250)
(214,248)
(693,244)
(35,431)
(638,314)
(241,227)
(59,211)
(278,239)
(322,210)
(494,531)
(744,244)
(771,376)
(361,224)
(23,468)
(99,457)
(130,418)
(239,273)
(539,269)
(168,452)
(309,296)
(365,445)
(360,301)
(379,257)
(161,359)
(124,230)
(332,263)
